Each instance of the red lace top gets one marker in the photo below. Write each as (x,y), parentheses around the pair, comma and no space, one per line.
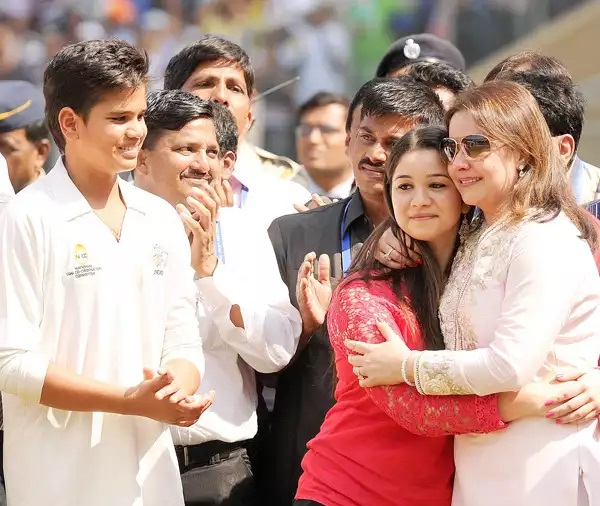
(371,449)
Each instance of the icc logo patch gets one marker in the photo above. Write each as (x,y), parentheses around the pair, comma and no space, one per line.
(159,259)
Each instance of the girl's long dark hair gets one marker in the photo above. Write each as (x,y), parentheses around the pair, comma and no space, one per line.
(420,288)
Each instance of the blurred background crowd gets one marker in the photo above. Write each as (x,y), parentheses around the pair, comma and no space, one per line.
(341,39)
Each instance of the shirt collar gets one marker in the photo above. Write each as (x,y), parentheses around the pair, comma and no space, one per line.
(341,191)
(74,203)
(356,209)
(6,189)
(247,166)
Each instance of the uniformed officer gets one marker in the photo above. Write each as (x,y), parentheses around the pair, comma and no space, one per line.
(416,48)
(6,189)
(24,136)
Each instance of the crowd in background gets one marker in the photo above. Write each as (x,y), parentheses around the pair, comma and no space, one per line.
(279,35)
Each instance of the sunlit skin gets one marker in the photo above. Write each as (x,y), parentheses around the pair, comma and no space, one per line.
(181,160)
(369,147)
(484,182)
(323,153)
(223,82)
(25,159)
(427,206)
(109,139)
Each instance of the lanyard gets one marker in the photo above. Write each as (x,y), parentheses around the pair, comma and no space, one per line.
(345,235)
(219,250)
(243,195)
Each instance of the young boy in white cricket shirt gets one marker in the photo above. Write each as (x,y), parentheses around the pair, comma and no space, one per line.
(99,342)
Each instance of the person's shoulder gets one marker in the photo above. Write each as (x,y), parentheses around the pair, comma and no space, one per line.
(33,200)
(557,235)
(157,210)
(146,201)
(281,166)
(372,286)
(318,215)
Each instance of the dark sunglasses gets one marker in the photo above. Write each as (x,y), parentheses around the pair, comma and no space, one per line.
(473,146)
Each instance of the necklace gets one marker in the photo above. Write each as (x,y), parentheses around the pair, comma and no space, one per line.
(116,233)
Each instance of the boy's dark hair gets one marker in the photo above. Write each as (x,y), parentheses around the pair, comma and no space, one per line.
(171,110)
(560,100)
(209,48)
(403,96)
(527,61)
(440,75)
(81,74)
(37,131)
(321,99)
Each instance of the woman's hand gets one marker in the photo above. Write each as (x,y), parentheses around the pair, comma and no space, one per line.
(570,397)
(379,364)
(584,406)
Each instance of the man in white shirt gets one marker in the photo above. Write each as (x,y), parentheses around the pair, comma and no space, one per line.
(6,190)
(216,69)
(246,320)
(321,146)
(99,342)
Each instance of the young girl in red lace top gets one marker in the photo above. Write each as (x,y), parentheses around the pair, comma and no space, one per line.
(390,446)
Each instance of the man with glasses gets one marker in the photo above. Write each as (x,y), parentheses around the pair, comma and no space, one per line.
(321,146)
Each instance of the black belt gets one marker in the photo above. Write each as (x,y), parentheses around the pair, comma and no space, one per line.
(206,454)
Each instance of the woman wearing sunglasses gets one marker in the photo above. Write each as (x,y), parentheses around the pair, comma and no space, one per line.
(371,449)
(521,302)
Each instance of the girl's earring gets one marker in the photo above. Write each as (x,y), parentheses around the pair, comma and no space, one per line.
(521,170)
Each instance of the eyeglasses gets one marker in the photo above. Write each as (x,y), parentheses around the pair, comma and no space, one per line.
(474,146)
(304,130)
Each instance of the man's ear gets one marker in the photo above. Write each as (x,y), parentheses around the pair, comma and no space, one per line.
(43,148)
(69,123)
(142,162)
(566,148)
(229,160)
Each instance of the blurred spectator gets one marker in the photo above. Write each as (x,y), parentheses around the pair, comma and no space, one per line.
(321,146)
(316,39)
(318,49)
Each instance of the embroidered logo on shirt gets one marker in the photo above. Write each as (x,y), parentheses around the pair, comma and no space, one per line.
(81,255)
(159,258)
(83,267)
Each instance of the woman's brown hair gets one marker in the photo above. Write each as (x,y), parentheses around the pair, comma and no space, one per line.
(419,288)
(507,113)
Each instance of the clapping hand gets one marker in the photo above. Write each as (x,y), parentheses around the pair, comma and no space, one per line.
(160,398)
(313,294)
(201,225)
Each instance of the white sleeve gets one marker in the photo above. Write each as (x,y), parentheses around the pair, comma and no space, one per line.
(182,337)
(22,368)
(272,324)
(546,269)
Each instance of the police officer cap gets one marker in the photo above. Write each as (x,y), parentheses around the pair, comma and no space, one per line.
(420,47)
(21,104)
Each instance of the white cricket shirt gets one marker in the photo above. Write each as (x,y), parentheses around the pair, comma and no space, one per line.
(74,296)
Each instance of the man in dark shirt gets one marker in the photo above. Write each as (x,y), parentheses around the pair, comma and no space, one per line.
(383,111)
